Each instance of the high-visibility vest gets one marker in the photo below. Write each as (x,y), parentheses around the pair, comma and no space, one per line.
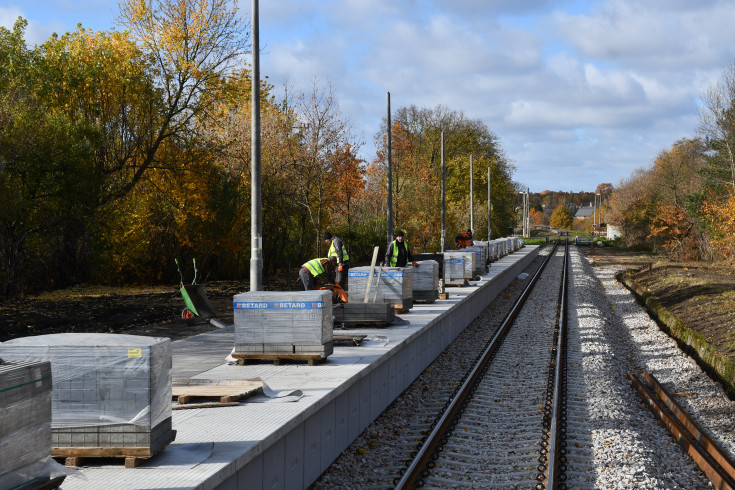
(316,266)
(394,257)
(333,251)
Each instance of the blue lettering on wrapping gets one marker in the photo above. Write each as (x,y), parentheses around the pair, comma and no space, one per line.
(277,305)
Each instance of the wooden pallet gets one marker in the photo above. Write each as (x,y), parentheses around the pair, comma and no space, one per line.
(400,311)
(350,339)
(312,359)
(133,456)
(224,391)
(443,295)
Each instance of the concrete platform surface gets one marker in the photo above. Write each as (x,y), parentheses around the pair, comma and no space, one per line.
(287,442)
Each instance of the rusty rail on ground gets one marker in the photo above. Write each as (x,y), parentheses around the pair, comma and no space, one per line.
(710,458)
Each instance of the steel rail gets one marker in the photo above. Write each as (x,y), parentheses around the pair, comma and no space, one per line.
(412,476)
(727,464)
(700,453)
(555,467)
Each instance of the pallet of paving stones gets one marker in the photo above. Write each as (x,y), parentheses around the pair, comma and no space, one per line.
(278,359)
(132,456)
(283,352)
(425,296)
(370,315)
(207,393)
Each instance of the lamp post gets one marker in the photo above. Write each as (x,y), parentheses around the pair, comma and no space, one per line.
(389,179)
(443,198)
(472,200)
(256,207)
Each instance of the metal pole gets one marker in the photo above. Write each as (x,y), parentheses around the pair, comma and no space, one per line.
(390,175)
(489,208)
(256,207)
(472,200)
(444,234)
(594,215)
(528,212)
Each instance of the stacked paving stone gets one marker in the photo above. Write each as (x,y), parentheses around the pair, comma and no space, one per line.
(502,247)
(480,260)
(109,390)
(426,281)
(469,262)
(454,270)
(284,322)
(364,313)
(392,285)
(485,246)
(25,422)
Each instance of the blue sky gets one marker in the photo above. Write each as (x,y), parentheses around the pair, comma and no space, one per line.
(579,92)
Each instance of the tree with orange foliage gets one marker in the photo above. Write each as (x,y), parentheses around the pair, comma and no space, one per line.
(674,231)
(538,217)
(719,214)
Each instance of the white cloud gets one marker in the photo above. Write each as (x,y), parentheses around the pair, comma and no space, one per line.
(579,92)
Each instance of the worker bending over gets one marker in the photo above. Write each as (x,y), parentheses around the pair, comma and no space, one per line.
(398,253)
(321,269)
(463,240)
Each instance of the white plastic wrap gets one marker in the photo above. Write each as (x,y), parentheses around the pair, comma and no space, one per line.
(426,276)
(454,269)
(485,246)
(479,258)
(102,379)
(502,245)
(283,317)
(469,263)
(25,422)
(393,285)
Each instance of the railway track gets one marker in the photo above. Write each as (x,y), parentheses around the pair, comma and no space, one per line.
(501,426)
(506,435)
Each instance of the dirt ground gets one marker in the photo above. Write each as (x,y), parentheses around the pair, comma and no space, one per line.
(153,311)
(702,295)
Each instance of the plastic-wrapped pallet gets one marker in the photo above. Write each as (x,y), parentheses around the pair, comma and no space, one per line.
(479,258)
(25,422)
(392,285)
(426,281)
(368,314)
(469,263)
(485,250)
(502,247)
(109,390)
(454,270)
(284,322)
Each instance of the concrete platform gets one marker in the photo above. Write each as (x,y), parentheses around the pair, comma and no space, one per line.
(270,443)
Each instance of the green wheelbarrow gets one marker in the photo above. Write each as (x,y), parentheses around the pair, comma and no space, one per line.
(196,301)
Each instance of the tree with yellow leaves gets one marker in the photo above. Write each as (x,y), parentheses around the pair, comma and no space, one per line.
(194,45)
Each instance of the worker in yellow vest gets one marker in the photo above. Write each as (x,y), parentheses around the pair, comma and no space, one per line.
(398,254)
(338,251)
(321,269)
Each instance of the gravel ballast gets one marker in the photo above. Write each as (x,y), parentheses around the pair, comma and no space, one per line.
(614,441)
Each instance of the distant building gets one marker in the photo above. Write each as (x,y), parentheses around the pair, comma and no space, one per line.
(584,212)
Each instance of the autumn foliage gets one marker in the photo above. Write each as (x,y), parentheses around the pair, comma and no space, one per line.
(122,150)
